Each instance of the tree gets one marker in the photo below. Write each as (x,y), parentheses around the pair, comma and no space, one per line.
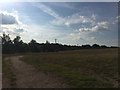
(95,46)
(103,46)
(7,45)
(17,40)
(86,46)
(47,42)
(34,46)
(17,45)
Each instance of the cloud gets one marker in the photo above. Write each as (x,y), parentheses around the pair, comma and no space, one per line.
(84,34)
(19,30)
(11,24)
(118,19)
(85,29)
(75,36)
(92,38)
(46,9)
(67,21)
(80,38)
(63,4)
(74,19)
(12,29)
(100,26)
(8,18)
(30,31)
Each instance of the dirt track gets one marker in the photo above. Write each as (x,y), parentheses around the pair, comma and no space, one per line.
(28,77)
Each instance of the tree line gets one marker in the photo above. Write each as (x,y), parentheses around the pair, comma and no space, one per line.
(18,46)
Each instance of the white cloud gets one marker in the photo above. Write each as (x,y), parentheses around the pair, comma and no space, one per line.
(67,21)
(11,24)
(100,26)
(40,33)
(80,38)
(93,16)
(85,29)
(63,4)
(84,34)
(9,18)
(74,19)
(81,33)
(28,32)
(92,38)
(46,9)
(117,19)
(75,36)
(13,30)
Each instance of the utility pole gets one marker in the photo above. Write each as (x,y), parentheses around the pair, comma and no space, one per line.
(55,40)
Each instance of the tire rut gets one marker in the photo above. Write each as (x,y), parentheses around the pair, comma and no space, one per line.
(29,77)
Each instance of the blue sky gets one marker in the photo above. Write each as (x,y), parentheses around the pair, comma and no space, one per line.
(73,23)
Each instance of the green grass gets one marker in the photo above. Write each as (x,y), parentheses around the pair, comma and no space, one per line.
(93,68)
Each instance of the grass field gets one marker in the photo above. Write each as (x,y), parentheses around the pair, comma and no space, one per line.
(92,68)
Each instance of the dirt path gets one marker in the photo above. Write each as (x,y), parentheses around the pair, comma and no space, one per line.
(5,82)
(28,77)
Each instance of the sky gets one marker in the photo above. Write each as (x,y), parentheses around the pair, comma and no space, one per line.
(59,0)
(71,23)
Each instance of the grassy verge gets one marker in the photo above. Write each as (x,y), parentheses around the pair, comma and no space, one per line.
(8,71)
(80,69)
